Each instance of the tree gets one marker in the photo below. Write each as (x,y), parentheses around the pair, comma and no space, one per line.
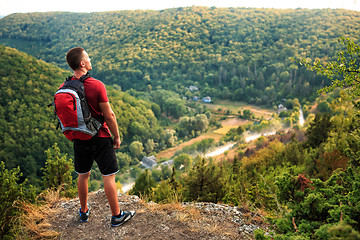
(318,130)
(170,138)
(247,114)
(182,159)
(205,144)
(344,72)
(156,174)
(156,109)
(149,146)
(11,192)
(323,107)
(196,181)
(123,159)
(165,172)
(200,123)
(135,172)
(325,209)
(205,182)
(57,172)
(144,185)
(216,63)
(136,149)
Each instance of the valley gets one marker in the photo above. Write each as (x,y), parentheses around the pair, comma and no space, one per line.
(220,110)
(243,107)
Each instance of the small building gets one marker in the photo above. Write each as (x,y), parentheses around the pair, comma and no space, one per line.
(195,98)
(207,99)
(193,88)
(167,163)
(281,108)
(149,162)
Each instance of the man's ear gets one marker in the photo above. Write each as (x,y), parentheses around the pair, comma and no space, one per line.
(82,63)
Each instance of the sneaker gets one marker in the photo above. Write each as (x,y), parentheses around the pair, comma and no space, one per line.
(124,217)
(84,216)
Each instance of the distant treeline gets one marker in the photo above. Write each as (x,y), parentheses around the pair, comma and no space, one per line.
(230,53)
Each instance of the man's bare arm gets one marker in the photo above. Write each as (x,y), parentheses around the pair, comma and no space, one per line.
(110,119)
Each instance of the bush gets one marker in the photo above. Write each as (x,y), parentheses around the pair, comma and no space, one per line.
(57,172)
(10,192)
(144,185)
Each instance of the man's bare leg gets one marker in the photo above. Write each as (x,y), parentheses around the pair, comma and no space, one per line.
(111,194)
(83,190)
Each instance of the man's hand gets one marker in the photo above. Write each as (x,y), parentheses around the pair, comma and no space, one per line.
(110,120)
(117,142)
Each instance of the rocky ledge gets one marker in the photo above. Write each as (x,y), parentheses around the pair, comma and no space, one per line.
(155,221)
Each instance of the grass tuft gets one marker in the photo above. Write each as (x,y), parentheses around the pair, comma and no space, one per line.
(33,220)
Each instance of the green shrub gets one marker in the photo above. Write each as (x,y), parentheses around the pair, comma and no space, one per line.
(10,192)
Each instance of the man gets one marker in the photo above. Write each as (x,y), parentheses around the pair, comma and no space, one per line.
(99,148)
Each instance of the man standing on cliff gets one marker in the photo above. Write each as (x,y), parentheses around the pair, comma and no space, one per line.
(100,148)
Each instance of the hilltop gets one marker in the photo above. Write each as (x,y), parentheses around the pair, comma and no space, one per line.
(155,221)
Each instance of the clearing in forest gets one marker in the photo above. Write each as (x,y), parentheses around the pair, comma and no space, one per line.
(231,121)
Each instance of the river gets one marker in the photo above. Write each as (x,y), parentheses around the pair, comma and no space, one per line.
(220,150)
(257,135)
(127,187)
(301,117)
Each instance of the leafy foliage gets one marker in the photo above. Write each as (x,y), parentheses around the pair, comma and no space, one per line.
(318,130)
(205,182)
(144,184)
(10,192)
(57,172)
(215,49)
(316,203)
(344,71)
(27,86)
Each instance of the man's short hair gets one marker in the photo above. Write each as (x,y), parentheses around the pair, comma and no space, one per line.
(74,57)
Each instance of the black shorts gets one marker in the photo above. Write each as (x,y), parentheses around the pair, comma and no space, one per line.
(96,149)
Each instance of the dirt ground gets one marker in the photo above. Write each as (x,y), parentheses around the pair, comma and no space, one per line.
(155,221)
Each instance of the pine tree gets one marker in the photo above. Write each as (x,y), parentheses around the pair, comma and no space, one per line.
(195,182)
(144,185)
(205,182)
(319,129)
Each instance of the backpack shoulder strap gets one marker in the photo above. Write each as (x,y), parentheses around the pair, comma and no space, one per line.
(81,79)
(84,77)
(68,78)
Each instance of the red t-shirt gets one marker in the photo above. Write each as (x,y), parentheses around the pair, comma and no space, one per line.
(95,92)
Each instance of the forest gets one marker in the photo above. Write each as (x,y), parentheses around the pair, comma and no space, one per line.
(305,181)
(229,53)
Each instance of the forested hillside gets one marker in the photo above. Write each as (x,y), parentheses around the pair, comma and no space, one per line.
(233,53)
(305,179)
(28,126)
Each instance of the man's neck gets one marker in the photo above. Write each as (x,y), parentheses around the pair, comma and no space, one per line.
(79,73)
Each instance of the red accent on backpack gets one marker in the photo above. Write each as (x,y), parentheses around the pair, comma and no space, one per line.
(71,135)
(66,109)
